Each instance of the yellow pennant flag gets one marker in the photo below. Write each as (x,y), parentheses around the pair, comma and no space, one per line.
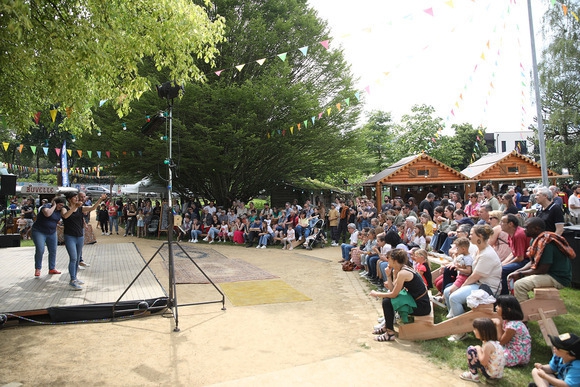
(53,114)
(328,110)
(291,130)
(69,152)
(5,145)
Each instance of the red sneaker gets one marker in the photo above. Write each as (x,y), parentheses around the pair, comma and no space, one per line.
(37,272)
(53,271)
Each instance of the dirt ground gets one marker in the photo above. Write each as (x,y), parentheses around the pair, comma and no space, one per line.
(326,341)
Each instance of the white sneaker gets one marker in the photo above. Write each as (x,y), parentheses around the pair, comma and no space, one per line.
(210,242)
(102,233)
(258,246)
(363,273)
(449,315)
(108,233)
(263,246)
(194,241)
(205,239)
(381,320)
(457,337)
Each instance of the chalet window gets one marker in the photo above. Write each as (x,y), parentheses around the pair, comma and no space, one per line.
(514,170)
(423,172)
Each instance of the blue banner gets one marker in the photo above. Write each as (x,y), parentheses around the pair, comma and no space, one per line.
(64,165)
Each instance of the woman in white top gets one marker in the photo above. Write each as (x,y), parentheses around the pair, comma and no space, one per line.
(486,270)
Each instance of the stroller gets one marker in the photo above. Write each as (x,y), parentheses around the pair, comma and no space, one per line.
(317,237)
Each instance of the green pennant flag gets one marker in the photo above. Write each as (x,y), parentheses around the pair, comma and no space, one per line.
(282,56)
(33,149)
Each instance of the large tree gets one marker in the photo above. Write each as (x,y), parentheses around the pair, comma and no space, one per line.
(238,133)
(560,88)
(75,53)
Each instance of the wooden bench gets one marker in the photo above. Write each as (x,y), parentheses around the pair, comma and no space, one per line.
(545,305)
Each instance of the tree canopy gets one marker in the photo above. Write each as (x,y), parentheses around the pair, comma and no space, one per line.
(559,72)
(71,54)
(232,134)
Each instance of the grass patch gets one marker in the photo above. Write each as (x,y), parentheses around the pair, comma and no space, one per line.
(452,354)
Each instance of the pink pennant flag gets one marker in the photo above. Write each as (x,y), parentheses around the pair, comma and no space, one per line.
(108,153)
(429,11)
(320,115)
(452,113)
(219,72)
(261,61)
(325,43)
(57,150)
(368,89)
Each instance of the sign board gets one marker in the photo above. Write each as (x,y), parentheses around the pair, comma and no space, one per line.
(39,190)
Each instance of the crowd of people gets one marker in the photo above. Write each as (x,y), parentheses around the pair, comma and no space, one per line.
(503,244)
(502,247)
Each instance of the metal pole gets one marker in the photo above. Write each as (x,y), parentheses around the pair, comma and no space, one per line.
(541,138)
(172,285)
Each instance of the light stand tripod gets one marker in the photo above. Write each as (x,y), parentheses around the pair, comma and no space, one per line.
(169,92)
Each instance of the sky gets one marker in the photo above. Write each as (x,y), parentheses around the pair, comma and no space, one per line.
(469,59)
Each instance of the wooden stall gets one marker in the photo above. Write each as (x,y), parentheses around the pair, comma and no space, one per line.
(415,176)
(509,168)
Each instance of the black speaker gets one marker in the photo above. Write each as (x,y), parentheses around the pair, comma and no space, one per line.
(8,185)
(10,240)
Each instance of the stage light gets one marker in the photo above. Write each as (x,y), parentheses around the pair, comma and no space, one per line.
(169,90)
(153,124)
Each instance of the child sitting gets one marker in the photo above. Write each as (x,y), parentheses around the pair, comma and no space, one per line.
(289,238)
(512,332)
(224,232)
(421,266)
(311,239)
(564,365)
(487,358)
(22,227)
(457,271)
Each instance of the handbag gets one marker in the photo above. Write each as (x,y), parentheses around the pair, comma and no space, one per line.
(348,266)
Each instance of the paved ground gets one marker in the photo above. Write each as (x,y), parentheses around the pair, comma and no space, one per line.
(323,342)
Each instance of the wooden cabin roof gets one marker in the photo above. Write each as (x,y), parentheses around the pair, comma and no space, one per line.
(417,169)
(505,166)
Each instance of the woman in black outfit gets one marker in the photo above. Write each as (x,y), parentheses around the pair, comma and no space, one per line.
(399,276)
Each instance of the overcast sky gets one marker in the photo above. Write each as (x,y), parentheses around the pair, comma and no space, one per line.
(470,57)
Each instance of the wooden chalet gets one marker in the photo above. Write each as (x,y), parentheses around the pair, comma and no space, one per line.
(415,176)
(508,168)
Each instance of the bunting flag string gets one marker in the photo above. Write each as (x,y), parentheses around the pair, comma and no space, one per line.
(84,172)
(33,149)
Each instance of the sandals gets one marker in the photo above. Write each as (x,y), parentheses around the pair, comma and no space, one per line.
(470,377)
(385,337)
(379,331)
